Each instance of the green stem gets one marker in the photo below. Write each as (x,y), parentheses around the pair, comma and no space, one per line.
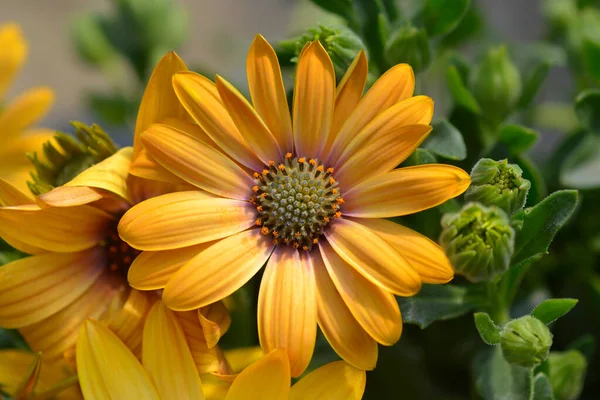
(498,309)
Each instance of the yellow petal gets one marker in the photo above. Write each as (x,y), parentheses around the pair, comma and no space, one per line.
(349,93)
(159,101)
(151,270)
(342,331)
(218,271)
(12,55)
(24,111)
(36,287)
(20,245)
(392,146)
(55,229)
(215,321)
(425,256)
(374,258)
(173,371)
(98,352)
(287,307)
(69,196)
(197,162)
(395,85)
(405,191)
(314,92)
(201,99)
(375,309)
(11,196)
(249,123)
(334,381)
(268,93)
(268,378)
(206,360)
(184,219)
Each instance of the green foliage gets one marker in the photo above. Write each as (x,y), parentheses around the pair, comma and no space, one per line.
(446,141)
(525,341)
(542,388)
(410,45)
(567,372)
(462,96)
(587,106)
(550,310)
(488,331)
(517,138)
(495,378)
(440,17)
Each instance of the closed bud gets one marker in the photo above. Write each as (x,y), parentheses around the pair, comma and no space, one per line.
(496,85)
(90,40)
(498,183)
(479,241)
(410,45)
(567,373)
(525,341)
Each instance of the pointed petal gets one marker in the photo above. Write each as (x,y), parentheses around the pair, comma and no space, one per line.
(334,381)
(55,229)
(342,331)
(11,196)
(215,321)
(201,99)
(375,309)
(69,196)
(374,258)
(287,307)
(268,378)
(13,55)
(425,256)
(25,110)
(98,351)
(173,372)
(206,360)
(314,92)
(197,162)
(183,219)
(405,191)
(151,270)
(218,271)
(36,287)
(395,85)
(268,93)
(249,123)
(159,101)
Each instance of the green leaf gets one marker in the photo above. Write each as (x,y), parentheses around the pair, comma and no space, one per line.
(542,388)
(462,96)
(496,379)
(541,222)
(581,167)
(532,84)
(446,141)
(439,302)
(470,26)
(587,107)
(440,17)
(517,138)
(534,175)
(488,331)
(550,310)
(373,20)
(591,57)
(343,8)
(112,108)
(420,156)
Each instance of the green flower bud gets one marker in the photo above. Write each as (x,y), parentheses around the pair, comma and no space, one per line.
(90,41)
(525,341)
(498,183)
(496,85)
(479,241)
(409,45)
(567,373)
(342,46)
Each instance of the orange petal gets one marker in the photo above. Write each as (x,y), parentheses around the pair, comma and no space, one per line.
(218,271)
(197,162)
(206,360)
(25,110)
(200,97)
(173,371)
(375,309)
(287,307)
(215,321)
(405,191)
(268,93)
(314,92)
(334,381)
(373,257)
(13,55)
(342,331)
(425,256)
(11,196)
(251,126)
(182,219)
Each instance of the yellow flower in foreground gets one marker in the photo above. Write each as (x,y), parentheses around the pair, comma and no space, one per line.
(78,265)
(17,116)
(171,374)
(305,194)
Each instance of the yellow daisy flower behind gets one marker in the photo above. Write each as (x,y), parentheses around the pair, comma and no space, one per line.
(306,194)
(171,374)
(16,117)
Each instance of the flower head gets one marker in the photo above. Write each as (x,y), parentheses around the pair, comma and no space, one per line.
(304,193)
(525,341)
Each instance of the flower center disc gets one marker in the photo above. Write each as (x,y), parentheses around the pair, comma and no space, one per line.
(119,255)
(296,200)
